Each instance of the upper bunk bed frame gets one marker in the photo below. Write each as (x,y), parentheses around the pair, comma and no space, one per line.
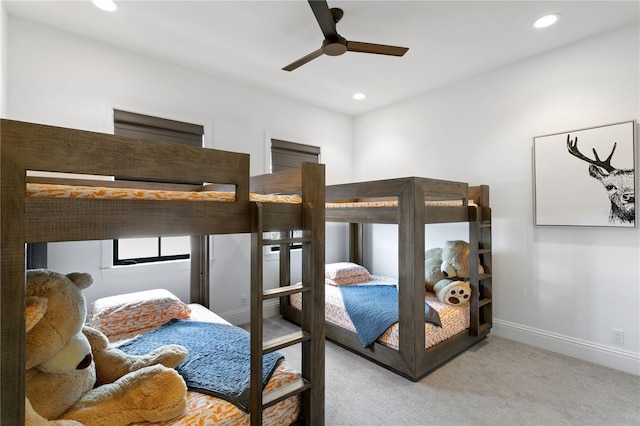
(411,360)
(34,147)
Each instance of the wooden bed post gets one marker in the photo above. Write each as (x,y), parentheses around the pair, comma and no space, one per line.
(200,271)
(313,267)
(480,309)
(411,274)
(12,293)
(256,313)
(356,243)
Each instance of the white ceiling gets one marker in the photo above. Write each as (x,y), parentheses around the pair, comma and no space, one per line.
(250,41)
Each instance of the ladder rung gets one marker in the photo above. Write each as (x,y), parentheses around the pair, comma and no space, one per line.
(284,291)
(284,341)
(279,394)
(483,251)
(484,301)
(484,277)
(291,240)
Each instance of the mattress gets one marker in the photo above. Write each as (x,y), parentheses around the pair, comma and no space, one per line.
(454,318)
(69,191)
(394,203)
(208,410)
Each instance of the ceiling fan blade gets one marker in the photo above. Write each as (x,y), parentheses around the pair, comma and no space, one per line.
(324,17)
(311,56)
(380,49)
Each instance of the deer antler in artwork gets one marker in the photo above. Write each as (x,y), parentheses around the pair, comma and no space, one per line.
(572,146)
(619,183)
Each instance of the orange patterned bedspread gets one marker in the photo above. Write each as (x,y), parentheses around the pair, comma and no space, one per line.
(70,191)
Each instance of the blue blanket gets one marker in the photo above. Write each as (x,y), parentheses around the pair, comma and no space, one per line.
(374,308)
(218,363)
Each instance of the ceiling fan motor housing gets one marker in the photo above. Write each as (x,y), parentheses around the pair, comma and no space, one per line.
(334,47)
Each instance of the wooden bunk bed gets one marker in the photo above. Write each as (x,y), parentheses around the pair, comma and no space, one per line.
(411,203)
(34,147)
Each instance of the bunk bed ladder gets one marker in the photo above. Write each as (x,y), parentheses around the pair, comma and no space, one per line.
(259,399)
(481,316)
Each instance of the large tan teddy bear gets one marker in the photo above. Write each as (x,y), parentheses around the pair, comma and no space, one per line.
(443,266)
(73,376)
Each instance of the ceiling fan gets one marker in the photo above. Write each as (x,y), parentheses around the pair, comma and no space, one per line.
(334,44)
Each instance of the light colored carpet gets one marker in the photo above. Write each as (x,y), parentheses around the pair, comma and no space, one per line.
(496,382)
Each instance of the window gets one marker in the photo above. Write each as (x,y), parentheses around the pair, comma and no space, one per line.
(289,155)
(129,251)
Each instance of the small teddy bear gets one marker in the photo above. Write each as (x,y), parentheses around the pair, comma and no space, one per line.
(444,264)
(74,377)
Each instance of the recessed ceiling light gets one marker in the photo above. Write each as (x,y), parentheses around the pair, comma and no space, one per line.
(108,5)
(359,96)
(546,20)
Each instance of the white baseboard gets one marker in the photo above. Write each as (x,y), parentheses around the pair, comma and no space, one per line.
(270,308)
(608,356)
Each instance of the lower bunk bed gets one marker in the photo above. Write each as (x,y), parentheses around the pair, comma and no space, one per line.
(126,320)
(412,347)
(111,209)
(376,319)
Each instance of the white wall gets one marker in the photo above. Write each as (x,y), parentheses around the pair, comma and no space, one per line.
(60,79)
(560,288)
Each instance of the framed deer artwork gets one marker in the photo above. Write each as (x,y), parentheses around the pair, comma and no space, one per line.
(586,177)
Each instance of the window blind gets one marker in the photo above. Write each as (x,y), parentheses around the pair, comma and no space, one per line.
(289,155)
(160,129)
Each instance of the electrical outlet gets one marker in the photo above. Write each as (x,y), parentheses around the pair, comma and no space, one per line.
(244,299)
(618,336)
